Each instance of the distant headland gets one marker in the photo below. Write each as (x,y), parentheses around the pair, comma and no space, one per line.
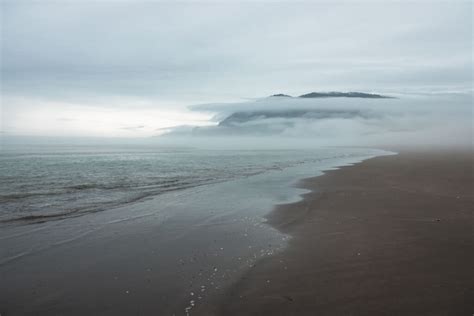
(336,94)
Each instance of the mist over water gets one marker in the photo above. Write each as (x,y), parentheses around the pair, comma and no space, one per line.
(44,178)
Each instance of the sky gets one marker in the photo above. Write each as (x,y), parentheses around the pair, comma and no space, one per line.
(134,68)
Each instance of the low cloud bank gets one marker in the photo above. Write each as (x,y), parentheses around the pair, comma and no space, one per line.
(280,122)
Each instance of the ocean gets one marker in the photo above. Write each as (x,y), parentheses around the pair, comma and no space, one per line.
(56,182)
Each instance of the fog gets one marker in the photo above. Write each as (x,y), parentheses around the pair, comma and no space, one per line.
(280,122)
(430,120)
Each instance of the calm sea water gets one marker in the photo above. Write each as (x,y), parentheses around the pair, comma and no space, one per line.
(42,183)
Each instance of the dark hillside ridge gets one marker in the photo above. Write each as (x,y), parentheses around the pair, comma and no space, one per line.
(238,118)
(344,94)
(335,94)
(281,95)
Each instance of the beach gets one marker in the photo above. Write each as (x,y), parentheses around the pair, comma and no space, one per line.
(392,235)
(236,158)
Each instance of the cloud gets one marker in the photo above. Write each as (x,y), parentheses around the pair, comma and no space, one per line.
(193,52)
(142,62)
(443,120)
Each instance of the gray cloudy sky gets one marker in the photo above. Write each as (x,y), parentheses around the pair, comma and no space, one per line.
(129,68)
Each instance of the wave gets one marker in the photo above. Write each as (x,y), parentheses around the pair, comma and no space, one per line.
(79,211)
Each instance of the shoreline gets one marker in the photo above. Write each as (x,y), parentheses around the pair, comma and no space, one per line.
(220,261)
(375,238)
(169,255)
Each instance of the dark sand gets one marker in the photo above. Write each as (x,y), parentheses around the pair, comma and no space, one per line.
(393,235)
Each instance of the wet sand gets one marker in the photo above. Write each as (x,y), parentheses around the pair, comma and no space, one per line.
(392,235)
